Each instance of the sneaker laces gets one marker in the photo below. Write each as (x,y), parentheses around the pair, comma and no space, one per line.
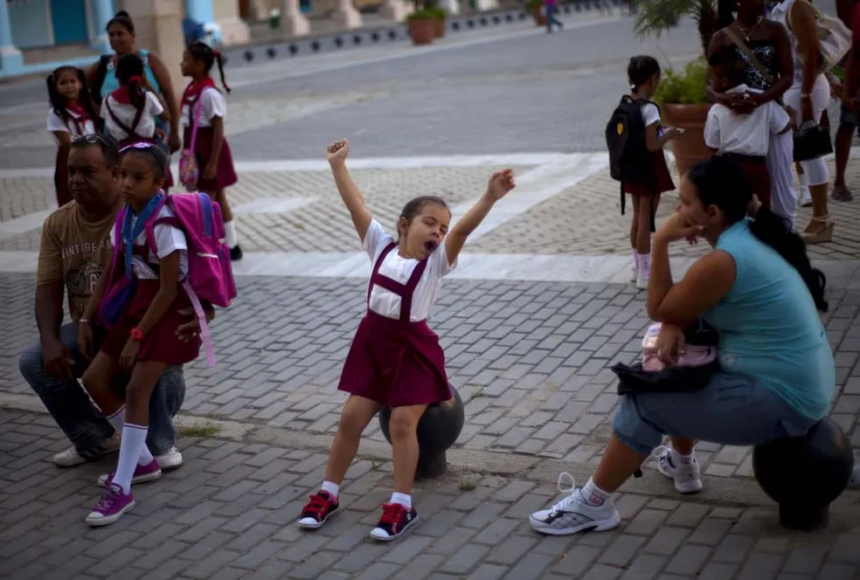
(110,496)
(392,513)
(318,503)
(563,478)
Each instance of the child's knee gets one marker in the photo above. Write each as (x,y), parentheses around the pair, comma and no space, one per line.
(402,426)
(352,422)
(92,382)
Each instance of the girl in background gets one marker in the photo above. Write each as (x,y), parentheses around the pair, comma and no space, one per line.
(71,115)
(203,111)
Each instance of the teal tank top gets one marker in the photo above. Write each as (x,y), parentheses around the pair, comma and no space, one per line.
(769,327)
(111,84)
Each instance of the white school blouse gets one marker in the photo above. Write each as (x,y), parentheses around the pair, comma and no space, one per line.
(744,134)
(168,239)
(386,303)
(56,123)
(126,114)
(212,104)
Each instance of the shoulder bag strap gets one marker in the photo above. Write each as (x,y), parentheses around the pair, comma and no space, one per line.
(196,106)
(749,54)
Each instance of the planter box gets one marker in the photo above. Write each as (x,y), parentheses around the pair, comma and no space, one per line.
(439,27)
(690,147)
(422,31)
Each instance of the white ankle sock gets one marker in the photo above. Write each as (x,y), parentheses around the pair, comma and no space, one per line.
(593,495)
(679,459)
(645,265)
(402,499)
(117,419)
(330,488)
(635,260)
(230,234)
(133,441)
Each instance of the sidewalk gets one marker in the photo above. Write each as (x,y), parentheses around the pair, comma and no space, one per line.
(230,511)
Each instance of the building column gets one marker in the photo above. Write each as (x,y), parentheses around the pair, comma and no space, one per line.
(452,7)
(11,61)
(234,30)
(346,15)
(395,10)
(293,22)
(158,28)
(102,14)
(200,11)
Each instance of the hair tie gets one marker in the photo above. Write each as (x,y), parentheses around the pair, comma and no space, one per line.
(216,54)
(135,79)
(634,88)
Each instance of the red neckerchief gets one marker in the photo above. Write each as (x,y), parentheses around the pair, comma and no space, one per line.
(194,88)
(77,115)
(121,94)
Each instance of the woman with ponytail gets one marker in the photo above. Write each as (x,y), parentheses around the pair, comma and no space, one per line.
(71,115)
(759,291)
(203,111)
(132,112)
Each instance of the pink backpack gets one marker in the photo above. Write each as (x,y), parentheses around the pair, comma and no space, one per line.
(210,274)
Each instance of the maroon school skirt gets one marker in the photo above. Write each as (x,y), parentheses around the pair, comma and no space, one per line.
(756,171)
(61,177)
(395,363)
(161,343)
(661,183)
(168,178)
(225,175)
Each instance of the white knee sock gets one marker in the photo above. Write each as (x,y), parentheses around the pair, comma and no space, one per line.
(117,419)
(644,265)
(635,260)
(133,442)
(230,234)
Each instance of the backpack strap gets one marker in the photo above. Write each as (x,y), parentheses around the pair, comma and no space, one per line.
(130,131)
(205,336)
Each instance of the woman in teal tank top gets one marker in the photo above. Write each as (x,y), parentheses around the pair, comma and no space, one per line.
(759,291)
(101,75)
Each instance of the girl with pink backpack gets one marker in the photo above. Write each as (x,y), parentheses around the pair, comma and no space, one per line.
(206,164)
(141,299)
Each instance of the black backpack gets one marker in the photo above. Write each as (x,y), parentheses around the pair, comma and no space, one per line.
(629,159)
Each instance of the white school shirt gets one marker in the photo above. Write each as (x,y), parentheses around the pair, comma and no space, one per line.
(212,104)
(126,114)
(731,132)
(168,239)
(56,123)
(386,303)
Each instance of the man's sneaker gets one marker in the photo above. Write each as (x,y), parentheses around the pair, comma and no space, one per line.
(71,458)
(113,504)
(641,281)
(170,460)
(142,474)
(686,477)
(573,515)
(318,510)
(395,520)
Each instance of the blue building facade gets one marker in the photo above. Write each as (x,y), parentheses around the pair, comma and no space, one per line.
(44,23)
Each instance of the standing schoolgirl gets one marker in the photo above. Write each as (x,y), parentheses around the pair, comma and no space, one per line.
(71,115)
(395,359)
(142,341)
(203,111)
(643,73)
(132,111)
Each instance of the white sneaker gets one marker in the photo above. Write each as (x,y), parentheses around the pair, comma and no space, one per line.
(641,282)
(171,459)
(572,515)
(634,274)
(71,458)
(686,477)
(804,198)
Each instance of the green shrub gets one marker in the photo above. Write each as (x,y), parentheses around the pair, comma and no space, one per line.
(425,14)
(687,87)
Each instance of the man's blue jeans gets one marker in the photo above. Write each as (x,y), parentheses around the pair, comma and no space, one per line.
(76,415)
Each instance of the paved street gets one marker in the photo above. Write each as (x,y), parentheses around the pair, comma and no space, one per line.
(531,321)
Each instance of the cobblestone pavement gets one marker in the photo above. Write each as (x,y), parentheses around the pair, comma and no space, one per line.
(230,513)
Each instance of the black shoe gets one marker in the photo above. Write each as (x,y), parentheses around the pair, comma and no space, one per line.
(394,522)
(235,254)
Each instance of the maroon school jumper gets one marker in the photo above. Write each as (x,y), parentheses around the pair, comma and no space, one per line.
(395,362)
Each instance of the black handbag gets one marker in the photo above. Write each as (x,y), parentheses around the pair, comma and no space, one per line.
(811,141)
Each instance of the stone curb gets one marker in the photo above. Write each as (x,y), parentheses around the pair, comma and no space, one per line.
(719,491)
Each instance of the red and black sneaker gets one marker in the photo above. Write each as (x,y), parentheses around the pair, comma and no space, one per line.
(395,520)
(318,510)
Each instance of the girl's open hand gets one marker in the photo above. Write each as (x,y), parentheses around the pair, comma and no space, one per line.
(500,184)
(338,151)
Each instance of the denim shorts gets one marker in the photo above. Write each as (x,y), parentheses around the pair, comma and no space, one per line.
(733,409)
(846,117)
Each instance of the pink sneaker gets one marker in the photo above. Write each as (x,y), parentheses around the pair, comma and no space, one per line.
(142,474)
(112,505)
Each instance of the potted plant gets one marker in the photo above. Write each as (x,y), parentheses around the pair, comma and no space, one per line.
(422,24)
(682,95)
(535,8)
(439,24)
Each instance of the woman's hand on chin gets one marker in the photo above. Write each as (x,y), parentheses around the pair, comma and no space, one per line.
(678,227)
